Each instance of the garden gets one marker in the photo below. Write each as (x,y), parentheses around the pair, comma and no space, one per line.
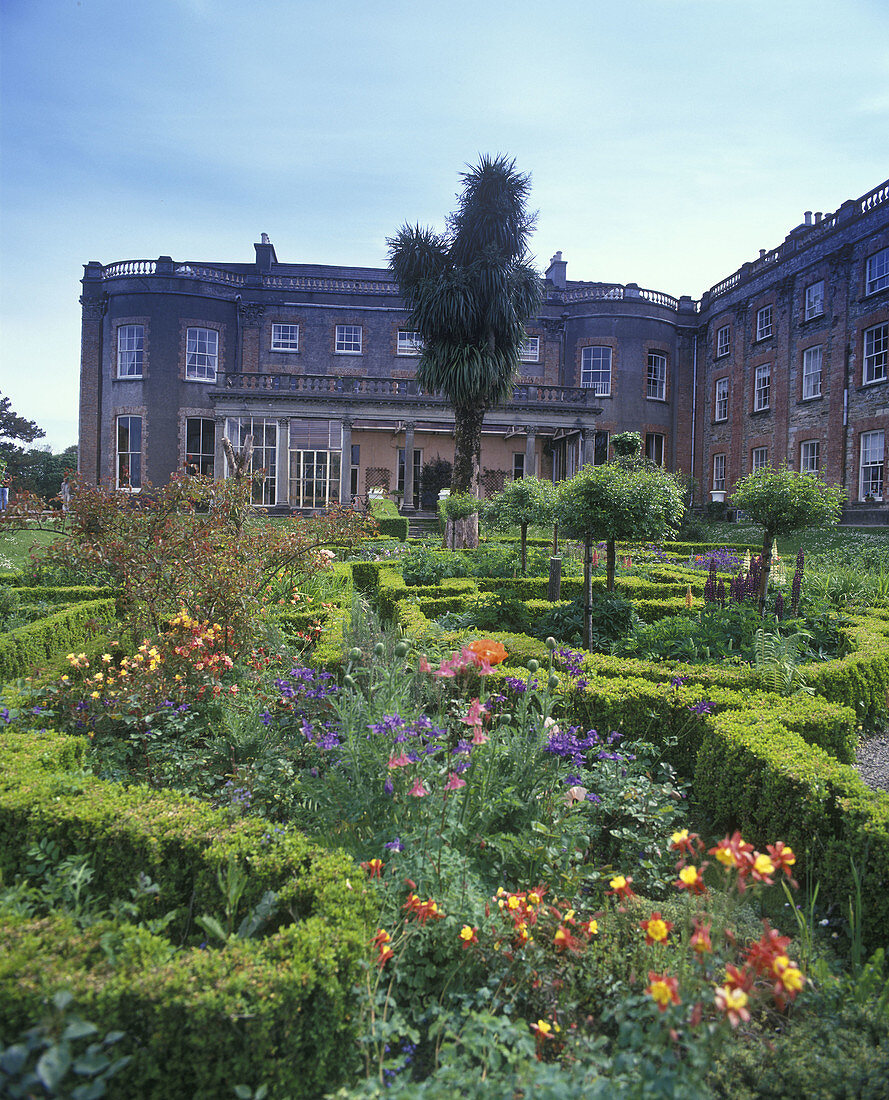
(303,809)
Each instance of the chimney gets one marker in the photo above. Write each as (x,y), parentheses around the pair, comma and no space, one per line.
(808,217)
(818,216)
(265,255)
(557,272)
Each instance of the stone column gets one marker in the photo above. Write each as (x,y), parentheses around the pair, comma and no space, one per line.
(531,452)
(346,463)
(587,443)
(282,474)
(408,505)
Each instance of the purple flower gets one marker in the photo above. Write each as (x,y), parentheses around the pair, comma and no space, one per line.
(265,718)
(594,798)
(678,681)
(462,746)
(389,788)
(704,707)
(4,716)
(396,845)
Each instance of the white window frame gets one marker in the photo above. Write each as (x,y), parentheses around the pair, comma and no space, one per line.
(655,447)
(130,351)
(814,306)
(872,452)
(759,459)
(206,459)
(877,272)
(723,341)
(529,352)
(720,400)
(764,323)
(349,340)
(876,354)
(264,456)
(810,456)
(656,377)
(285,337)
(762,388)
(408,343)
(595,375)
(719,473)
(813,360)
(201,354)
(126,455)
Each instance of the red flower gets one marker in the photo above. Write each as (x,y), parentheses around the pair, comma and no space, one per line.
(374,867)
(663,990)
(620,885)
(656,929)
(700,938)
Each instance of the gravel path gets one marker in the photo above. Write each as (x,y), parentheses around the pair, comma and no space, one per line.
(872,760)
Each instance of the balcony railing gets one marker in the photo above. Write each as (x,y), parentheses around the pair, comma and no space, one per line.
(369,390)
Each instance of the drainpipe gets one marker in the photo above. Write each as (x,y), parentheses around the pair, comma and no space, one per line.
(238,356)
(694,406)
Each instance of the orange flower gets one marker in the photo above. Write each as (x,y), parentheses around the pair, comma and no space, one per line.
(489,651)
(662,989)
(374,867)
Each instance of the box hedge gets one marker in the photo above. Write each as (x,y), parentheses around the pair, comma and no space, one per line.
(39,642)
(278,1009)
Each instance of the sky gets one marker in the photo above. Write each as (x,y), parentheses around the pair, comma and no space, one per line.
(667,140)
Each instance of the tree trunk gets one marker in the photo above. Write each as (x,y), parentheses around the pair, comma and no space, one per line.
(554,587)
(767,544)
(611,553)
(587,592)
(462,534)
(467,448)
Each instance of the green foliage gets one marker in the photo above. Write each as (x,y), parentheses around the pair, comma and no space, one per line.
(461,505)
(380,507)
(520,503)
(614,503)
(782,501)
(36,643)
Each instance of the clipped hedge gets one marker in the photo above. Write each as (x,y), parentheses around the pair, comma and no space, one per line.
(39,642)
(277,1010)
(64,594)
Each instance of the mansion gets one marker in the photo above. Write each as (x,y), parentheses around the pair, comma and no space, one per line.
(787,359)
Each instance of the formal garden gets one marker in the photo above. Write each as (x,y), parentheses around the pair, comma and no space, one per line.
(299,809)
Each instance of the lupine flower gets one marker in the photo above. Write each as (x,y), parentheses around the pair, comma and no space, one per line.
(656,929)
(662,990)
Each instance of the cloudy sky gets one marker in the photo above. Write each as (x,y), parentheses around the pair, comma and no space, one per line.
(667,140)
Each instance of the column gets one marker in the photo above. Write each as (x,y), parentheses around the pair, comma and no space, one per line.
(531,452)
(346,464)
(408,505)
(218,451)
(587,442)
(282,474)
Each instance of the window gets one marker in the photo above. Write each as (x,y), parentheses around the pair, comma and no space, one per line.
(764,323)
(130,349)
(595,370)
(814,300)
(285,337)
(600,448)
(409,343)
(264,456)
(348,339)
(720,400)
(723,340)
(354,469)
(762,388)
(872,455)
(200,445)
(129,452)
(654,447)
(719,473)
(518,465)
(810,456)
(877,274)
(759,457)
(812,372)
(529,352)
(315,478)
(876,354)
(201,354)
(657,376)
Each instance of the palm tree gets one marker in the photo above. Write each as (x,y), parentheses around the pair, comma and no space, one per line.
(470,291)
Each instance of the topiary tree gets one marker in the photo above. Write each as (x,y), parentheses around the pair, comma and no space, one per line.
(616,502)
(782,501)
(519,504)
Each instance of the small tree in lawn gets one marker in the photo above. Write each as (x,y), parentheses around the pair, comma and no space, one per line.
(523,502)
(782,501)
(615,502)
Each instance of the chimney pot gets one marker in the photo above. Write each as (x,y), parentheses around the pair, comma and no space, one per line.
(808,217)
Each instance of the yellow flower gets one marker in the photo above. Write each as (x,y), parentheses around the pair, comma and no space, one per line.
(763,865)
(618,882)
(513,902)
(106,657)
(466,932)
(689,875)
(534,898)
(94,695)
(677,838)
(592,928)
(657,930)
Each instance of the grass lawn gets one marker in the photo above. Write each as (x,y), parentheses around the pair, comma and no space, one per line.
(15,546)
(816,541)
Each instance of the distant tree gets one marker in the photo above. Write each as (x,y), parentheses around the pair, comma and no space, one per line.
(40,471)
(471,291)
(613,503)
(15,430)
(521,503)
(782,501)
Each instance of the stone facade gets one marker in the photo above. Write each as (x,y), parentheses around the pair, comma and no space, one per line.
(785,360)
